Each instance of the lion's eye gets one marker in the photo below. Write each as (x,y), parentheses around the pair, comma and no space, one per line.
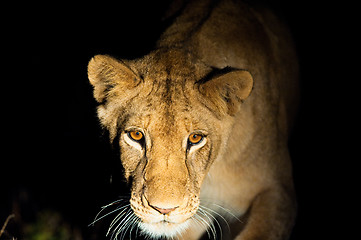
(194,138)
(136,135)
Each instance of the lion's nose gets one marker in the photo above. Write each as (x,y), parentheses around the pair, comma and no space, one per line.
(164,211)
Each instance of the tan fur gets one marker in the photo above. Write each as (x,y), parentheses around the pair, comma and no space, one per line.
(242,166)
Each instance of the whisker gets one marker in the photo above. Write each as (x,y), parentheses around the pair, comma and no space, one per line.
(137,231)
(219,215)
(135,225)
(125,221)
(227,211)
(103,208)
(119,227)
(117,218)
(129,225)
(124,227)
(210,223)
(96,219)
(203,223)
(119,215)
(216,221)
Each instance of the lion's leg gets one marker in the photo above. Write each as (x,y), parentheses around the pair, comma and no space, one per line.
(271,216)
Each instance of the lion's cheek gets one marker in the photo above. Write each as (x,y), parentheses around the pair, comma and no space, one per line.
(130,162)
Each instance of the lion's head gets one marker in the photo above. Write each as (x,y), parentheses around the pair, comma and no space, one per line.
(171,115)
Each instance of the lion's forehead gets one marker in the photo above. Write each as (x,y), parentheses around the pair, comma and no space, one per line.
(166,104)
(164,119)
(167,111)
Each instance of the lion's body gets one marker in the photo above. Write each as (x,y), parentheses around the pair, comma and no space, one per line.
(242,165)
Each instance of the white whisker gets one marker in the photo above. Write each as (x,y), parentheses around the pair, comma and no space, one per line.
(214,219)
(228,211)
(102,209)
(125,220)
(130,226)
(125,227)
(210,221)
(96,219)
(203,223)
(219,215)
(119,216)
(123,224)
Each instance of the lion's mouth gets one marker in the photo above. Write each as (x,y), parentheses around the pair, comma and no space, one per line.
(158,225)
(163,228)
(165,221)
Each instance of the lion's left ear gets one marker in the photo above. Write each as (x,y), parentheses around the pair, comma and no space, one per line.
(225,89)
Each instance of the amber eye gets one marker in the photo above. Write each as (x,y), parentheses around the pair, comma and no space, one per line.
(195,138)
(135,135)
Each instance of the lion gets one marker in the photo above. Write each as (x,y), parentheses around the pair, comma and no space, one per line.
(202,122)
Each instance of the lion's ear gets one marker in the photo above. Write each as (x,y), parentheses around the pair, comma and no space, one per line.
(106,73)
(225,89)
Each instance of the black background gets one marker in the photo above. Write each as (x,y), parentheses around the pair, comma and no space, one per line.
(55,153)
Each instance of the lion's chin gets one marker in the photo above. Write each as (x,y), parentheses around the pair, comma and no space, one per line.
(163,229)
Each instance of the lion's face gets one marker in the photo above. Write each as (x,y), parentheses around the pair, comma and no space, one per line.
(170,117)
(167,156)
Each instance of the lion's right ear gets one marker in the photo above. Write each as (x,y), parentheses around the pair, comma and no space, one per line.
(106,74)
